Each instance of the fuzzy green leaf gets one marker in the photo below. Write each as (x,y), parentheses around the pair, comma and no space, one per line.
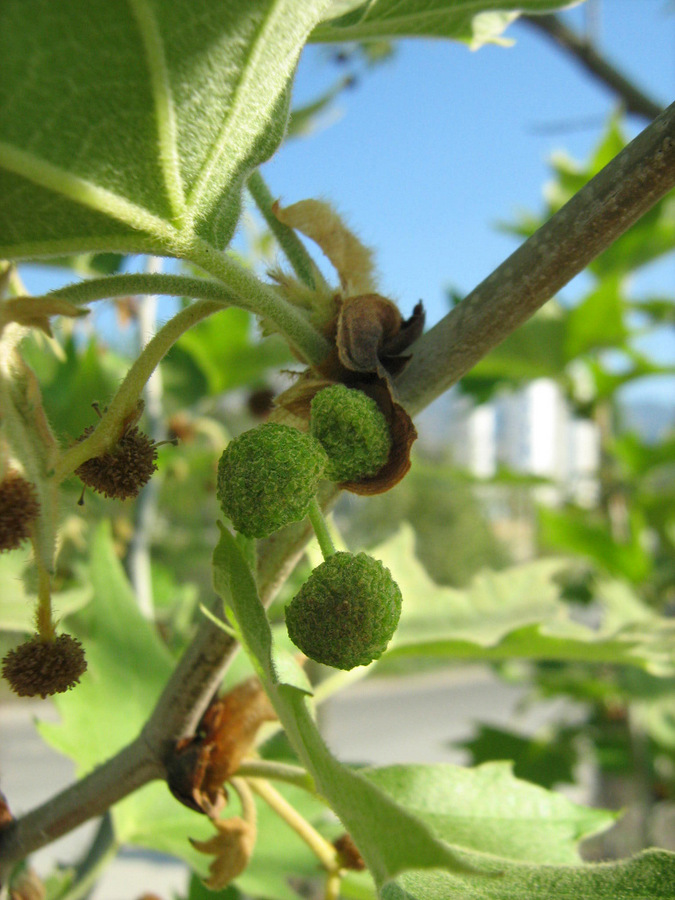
(649,876)
(130,126)
(463,20)
(489,810)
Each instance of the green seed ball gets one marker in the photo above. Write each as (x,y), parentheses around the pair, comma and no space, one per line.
(346,612)
(352,430)
(267,478)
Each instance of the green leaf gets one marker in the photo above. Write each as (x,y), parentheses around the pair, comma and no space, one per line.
(139,120)
(488,810)
(128,666)
(574,531)
(544,762)
(225,354)
(463,20)
(518,613)
(535,350)
(598,321)
(649,876)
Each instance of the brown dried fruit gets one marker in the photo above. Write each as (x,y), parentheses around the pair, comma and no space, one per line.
(122,471)
(19,507)
(39,668)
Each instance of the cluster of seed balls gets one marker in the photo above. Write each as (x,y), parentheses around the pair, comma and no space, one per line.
(43,666)
(347,611)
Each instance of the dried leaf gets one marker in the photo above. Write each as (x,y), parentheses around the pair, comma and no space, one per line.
(200,765)
(318,220)
(35,311)
(232,847)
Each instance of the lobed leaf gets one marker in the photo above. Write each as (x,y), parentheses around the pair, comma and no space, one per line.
(138,121)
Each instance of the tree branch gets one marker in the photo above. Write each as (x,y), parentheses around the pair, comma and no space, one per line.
(586,226)
(589,223)
(583,51)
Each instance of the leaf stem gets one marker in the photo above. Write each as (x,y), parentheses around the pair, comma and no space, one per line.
(153,283)
(322,849)
(261,299)
(43,614)
(321,531)
(108,430)
(276,771)
(296,253)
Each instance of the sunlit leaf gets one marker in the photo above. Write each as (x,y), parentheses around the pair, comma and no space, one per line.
(464,20)
(140,120)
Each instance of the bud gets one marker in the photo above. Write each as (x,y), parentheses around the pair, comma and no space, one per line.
(346,612)
(352,430)
(267,478)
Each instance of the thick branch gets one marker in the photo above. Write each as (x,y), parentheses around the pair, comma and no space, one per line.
(586,226)
(586,54)
(589,223)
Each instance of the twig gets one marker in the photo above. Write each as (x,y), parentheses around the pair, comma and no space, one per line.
(584,52)
(587,225)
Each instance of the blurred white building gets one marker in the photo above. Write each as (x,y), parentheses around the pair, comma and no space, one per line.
(531,432)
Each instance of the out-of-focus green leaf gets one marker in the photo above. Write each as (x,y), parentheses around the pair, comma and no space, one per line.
(224,353)
(518,613)
(598,321)
(89,373)
(544,762)
(128,666)
(535,350)
(140,120)
(574,531)
(462,20)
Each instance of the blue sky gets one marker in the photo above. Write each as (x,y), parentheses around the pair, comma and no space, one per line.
(437,145)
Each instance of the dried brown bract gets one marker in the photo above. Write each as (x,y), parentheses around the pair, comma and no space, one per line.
(122,471)
(200,765)
(40,668)
(19,507)
(348,853)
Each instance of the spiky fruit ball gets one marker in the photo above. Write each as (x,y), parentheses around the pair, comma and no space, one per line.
(346,612)
(267,478)
(352,430)
(19,507)
(122,471)
(40,668)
